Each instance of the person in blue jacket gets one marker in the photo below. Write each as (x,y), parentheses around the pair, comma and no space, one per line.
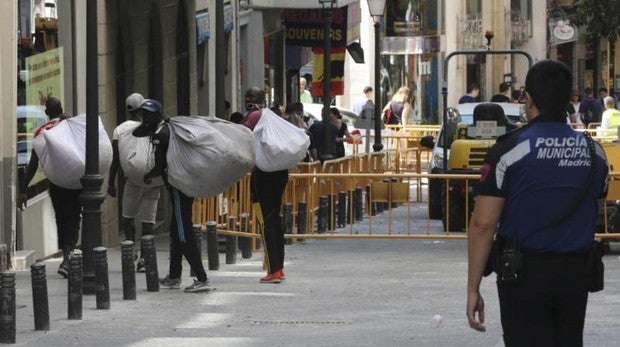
(538,191)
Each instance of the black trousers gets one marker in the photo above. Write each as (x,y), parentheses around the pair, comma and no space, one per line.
(68,213)
(267,189)
(182,240)
(547,306)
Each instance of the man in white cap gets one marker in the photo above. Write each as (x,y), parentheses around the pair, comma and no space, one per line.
(135,156)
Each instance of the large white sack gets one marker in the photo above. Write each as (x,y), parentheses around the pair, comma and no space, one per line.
(137,157)
(62,151)
(280,145)
(207,155)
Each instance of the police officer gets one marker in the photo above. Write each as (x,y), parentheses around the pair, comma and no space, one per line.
(529,181)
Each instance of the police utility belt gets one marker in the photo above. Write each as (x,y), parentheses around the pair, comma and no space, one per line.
(507,260)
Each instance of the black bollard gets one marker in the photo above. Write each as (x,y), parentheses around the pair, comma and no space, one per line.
(287,221)
(198,238)
(7,307)
(4,257)
(40,304)
(75,286)
(102,283)
(212,251)
(245,242)
(150,263)
(322,220)
(129,270)
(302,214)
(357,207)
(342,209)
(231,243)
(330,214)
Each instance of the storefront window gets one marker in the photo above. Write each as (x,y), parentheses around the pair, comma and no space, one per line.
(40,72)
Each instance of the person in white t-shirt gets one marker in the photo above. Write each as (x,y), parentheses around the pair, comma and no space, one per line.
(139,199)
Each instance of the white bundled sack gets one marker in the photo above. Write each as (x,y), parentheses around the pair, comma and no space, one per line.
(280,145)
(137,156)
(206,155)
(62,151)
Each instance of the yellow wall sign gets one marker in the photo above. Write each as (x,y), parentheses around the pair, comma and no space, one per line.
(45,77)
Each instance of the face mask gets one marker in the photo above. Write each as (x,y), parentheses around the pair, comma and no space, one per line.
(249,106)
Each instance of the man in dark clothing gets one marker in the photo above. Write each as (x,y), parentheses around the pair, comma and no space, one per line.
(182,241)
(472,94)
(504,92)
(317,140)
(590,108)
(267,189)
(66,204)
(527,179)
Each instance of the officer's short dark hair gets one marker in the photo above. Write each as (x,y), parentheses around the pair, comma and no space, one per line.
(367,89)
(294,107)
(549,84)
(503,87)
(472,86)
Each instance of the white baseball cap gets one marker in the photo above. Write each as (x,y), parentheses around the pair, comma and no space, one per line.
(134,101)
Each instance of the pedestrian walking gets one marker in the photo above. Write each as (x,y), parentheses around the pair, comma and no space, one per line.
(135,156)
(538,193)
(267,189)
(182,240)
(66,203)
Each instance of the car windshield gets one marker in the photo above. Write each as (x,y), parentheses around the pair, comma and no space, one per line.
(464,114)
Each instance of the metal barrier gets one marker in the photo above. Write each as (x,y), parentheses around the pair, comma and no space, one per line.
(386,199)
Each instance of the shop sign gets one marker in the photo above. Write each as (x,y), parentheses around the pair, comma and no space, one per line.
(305,27)
(45,77)
(561,31)
(202,27)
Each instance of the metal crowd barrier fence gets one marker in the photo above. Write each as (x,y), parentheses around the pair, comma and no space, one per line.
(359,205)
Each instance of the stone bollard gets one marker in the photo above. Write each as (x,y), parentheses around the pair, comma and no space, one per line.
(4,257)
(74,305)
(212,247)
(198,237)
(40,303)
(102,282)
(287,221)
(128,269)
(245,243)
(150,263)
(323,211)
(7,307)
(231,243)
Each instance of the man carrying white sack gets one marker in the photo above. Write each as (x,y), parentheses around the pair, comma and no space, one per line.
(182,241)
(135,155)
(67,207)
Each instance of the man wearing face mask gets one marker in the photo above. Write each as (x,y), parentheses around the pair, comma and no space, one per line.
(134,154)
(267,189)
(182,241)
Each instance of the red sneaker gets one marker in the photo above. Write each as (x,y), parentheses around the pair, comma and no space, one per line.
(281,272)
(273,277)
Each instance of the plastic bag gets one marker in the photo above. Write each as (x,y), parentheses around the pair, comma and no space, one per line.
(206,155)
(62,151)
(137,157)
(280,145)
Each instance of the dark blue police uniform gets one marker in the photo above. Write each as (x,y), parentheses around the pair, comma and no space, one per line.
(541,170)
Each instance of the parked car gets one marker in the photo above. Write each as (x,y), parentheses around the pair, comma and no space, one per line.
(29,118)
(24,149)
(459,115)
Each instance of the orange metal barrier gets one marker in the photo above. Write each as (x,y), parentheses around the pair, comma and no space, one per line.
(308,181)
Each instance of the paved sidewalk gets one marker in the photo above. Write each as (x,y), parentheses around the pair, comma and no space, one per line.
(337,293)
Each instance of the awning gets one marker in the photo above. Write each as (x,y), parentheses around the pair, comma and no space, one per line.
(295,3)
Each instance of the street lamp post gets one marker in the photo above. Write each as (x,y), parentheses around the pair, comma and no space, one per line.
(376,9)
(328,12)
(91,196)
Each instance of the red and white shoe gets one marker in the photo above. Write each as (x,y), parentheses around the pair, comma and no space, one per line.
(281,272)
(273,277)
